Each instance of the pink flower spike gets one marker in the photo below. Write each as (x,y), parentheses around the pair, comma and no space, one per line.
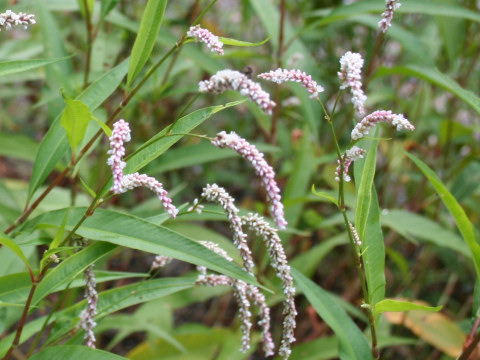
(234,80)
(348,158)
(87,317)
(9,19)
(369,121)
(282,75)
(390,7)
(219,195)
(277,255)
(205,36)
(135,180)
(265,171)
(351,75)
(120,135)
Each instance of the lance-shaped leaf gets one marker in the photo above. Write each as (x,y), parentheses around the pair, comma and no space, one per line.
(392,305)
(136,233)
(143,46)
(352,342)
(16,66)
(367,223)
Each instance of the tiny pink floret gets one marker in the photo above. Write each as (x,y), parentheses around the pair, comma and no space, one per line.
(262,169)
(227,79)
(280,76)
(206,37)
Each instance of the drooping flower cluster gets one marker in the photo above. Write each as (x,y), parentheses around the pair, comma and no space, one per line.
(369,121)
(280,264)
(244,294)
(87,317)
(9,19)
(215,193)
(132,181)
(282,75)
(350,156)
(225,80)
(351,75)
(205,36)
(265,171)
(390,7)
(121,182)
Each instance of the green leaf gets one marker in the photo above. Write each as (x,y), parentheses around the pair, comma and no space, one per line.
(189,155)
(464,225)
(14,288)
(88,188)
(408,6)
(435,77)
(391,305)
(75,119)
(90,5)
(107,6)
(104,127)
(17,146)
(367,223)
(299,180)
(70,268)
(9,243)
(133,232)
(352,342)
(307,262)
(324,195)
(420,227)
(59,235)
(12,305)
(59,75)
(160,143)
(16,66)
(234,42)
(55,143)
(74,352)
(108,302)
(143,46)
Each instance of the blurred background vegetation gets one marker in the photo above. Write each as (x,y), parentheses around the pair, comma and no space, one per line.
(426,67)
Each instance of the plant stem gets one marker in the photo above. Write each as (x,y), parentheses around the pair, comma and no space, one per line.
(278,61)
(465,355)
(358,257)
(16,340)
(88,23)
(371,63)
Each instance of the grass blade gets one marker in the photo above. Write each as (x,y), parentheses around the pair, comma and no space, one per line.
(464,225)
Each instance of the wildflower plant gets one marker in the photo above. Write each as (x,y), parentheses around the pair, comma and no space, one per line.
(131,154)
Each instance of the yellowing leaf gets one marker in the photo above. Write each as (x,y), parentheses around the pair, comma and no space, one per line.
(434,328)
